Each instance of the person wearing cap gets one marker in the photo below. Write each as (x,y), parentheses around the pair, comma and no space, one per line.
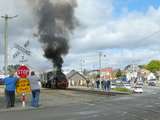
(10,86)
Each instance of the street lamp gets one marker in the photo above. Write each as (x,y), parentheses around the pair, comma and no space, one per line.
(6,18)
(100,62)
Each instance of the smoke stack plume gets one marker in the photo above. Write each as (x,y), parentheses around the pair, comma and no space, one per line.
(56,22)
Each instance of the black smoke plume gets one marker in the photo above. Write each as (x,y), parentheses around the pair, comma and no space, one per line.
(56,22)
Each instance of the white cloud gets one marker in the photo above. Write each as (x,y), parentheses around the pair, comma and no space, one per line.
(131,31)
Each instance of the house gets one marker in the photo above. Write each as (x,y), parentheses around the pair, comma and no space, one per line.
(132,71)
(76,79)
(143,73)
(151,76)
(105,73)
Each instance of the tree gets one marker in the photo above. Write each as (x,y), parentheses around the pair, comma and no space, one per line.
(153,66)
(12,67)
(142,66)
(119,73)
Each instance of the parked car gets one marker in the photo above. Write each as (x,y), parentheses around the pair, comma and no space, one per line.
(127,85)
(1,79)
(118,81)
(113,85)
(152,82)
(138,89)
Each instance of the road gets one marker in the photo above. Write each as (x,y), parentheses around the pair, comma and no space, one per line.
(144,106)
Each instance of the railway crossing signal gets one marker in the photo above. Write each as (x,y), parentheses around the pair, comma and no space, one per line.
(22,50)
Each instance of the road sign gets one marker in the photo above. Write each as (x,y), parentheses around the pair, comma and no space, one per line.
(23,71)
(26,44)
(16,54)
(22,49)
(23,86)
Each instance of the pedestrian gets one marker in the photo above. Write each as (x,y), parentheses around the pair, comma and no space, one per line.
(97,83)
(105,85)
(108,87)
(10,86)
(102,84)
(35,87)
(87,81)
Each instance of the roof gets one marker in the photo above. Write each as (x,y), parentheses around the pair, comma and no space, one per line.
(73,72)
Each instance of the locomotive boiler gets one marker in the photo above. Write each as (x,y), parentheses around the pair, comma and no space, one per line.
(54,79)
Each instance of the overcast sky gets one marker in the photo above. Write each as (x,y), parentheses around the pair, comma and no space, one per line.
(125,31)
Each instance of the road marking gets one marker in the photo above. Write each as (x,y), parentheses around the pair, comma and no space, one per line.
(149,106)
(124,113)
(87,112)
(157,103)
(91,104)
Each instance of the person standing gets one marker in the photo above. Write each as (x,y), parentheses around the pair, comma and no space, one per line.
(102,84)
(10,86)
(97,83)
(108,87)
(105,85)
(35,87)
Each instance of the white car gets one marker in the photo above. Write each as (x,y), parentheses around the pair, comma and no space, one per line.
(128,86)
(113,85)
(138,89)
(1,79)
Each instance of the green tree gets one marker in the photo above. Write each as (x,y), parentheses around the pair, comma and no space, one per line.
(12,67)
(142,66)
(153,66)
(119,73)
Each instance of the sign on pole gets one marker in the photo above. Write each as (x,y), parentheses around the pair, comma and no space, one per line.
(23,86)
(23,71)
(22,50)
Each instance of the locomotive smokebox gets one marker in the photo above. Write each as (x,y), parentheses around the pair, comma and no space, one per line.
(58,79)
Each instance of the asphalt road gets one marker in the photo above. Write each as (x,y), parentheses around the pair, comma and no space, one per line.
(144,106)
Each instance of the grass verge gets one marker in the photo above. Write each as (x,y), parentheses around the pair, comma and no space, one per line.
(121,90)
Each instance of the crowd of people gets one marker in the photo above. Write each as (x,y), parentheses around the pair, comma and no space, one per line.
(10,88)
(104,85)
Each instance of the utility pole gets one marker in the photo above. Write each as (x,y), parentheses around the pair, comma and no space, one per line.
(100,64)
(6,18)
(82,65)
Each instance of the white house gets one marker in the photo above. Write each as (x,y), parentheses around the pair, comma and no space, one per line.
(151,76)
(76,79)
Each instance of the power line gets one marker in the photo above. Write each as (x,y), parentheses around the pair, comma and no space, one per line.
(149,36)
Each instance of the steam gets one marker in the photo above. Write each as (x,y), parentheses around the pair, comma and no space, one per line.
(56,22)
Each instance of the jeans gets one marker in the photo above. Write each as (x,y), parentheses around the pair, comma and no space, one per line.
(35,98)
(10,98)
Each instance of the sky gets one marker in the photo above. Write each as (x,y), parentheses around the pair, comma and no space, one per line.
(124,31)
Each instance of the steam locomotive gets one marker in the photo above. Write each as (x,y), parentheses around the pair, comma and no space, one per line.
(55,80)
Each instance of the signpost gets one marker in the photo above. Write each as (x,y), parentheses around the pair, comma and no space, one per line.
(23,85)
(22,50)
(23,71)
